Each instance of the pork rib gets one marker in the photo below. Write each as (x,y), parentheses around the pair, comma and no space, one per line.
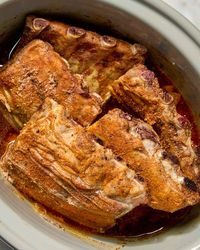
(139,89)
(37,72)
(66,170)
(101,59)
(135,142)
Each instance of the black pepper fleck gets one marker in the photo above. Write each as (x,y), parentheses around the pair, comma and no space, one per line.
(190,184)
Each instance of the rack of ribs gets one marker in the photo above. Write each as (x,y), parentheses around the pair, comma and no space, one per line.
(37,72)
(57,163)
(136,143)
(100,59)
(87,165)
(139,89)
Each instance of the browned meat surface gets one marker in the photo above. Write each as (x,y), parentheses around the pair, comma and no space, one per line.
(58,163)
(101,59)
(37,72)
(7,134)
(139,89)
(136,142)
(79,156)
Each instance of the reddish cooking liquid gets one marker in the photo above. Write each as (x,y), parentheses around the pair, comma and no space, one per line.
(142,221)
(182,107)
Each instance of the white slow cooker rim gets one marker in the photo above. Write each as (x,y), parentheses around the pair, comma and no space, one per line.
(158,6)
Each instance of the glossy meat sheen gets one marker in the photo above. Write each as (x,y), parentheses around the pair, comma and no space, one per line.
(136,142)
(101,59)
(37,72)
(58,163)
(139,89)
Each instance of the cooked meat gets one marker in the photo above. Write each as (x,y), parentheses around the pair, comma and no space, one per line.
(37,72)
(80,157)
(59,164)
(101,59)
(135,142)
(139,89)
(7,134)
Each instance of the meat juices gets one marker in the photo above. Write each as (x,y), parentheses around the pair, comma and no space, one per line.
(91,166)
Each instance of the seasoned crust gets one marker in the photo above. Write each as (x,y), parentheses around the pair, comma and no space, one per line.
(135,142)
(139,89)
(37,72)
(72,170)
(101,59)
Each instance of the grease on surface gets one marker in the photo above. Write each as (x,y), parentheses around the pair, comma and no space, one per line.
(140,223)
